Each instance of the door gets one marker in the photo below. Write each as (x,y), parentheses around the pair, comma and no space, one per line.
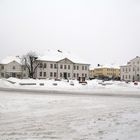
(65,75)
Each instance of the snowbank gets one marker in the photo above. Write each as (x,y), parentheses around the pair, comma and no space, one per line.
(71,85)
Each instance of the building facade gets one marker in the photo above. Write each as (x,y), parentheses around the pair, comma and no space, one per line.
(61,69)
(105,72)
(12,68)
(54,65)
(131,71)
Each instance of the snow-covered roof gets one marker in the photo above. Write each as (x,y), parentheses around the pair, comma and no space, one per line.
(137,57)
(57,55)
(10,59)
(107,66)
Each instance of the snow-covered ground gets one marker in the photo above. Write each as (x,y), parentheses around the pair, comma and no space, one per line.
(29,116)
(92,86)
(32,112)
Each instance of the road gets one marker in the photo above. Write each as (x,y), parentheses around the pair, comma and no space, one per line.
(40,116)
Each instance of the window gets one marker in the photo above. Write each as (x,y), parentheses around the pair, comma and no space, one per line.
(2,67)
(69,67)
(2,74)
(77,75)
(14,68)
(51,74)
(82,74)
(68,74)
(82,67)
(65,66)
(74,67)
(45,65)
(13,74)
(126,76)
(55,66)
(85,67)
(129,77)
(61,66)
(60,74)
(44,74)
(74,75)
(51,66)
(40,65)
(40,73)
(133,77)
(85,75)
(54,74)
(77,67)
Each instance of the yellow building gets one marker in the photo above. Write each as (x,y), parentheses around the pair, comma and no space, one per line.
(105,72)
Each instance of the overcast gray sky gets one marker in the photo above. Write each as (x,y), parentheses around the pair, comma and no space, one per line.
(99,31)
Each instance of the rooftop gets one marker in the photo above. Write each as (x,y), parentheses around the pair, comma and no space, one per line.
(9,59)
(57,55)
(107,66)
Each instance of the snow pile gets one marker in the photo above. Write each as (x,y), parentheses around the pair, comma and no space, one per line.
(71,85)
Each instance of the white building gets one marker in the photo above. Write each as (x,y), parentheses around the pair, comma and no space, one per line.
(54,65)
(131,71)
(11,67)
(59,65)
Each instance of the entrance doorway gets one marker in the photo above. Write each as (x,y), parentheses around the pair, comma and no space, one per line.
(65,75)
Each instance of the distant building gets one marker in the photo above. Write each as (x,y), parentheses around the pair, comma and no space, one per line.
(11,67)
(131,71)
(60,65)
(105,72)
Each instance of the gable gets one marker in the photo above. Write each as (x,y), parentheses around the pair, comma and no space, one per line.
(14,63)
(65,61)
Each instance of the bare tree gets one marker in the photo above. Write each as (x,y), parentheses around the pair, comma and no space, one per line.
(29,60)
